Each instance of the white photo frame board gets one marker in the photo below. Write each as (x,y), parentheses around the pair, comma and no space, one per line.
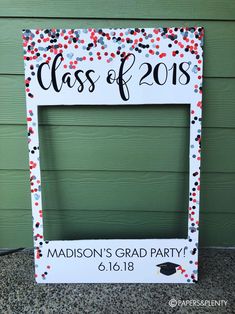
(133,66)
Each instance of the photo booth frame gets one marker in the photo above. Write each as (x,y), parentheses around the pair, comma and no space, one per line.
(131,66)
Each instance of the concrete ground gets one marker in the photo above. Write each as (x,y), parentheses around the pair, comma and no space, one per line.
(20,294)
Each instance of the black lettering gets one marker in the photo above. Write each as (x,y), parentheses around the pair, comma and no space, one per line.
(149,70)
(66,79)
(39,75)
(52,253)
(111,78)
(92,86)
(53,72)
(174,75)
(156,73)
(123,88)
(184,73)
(81,86)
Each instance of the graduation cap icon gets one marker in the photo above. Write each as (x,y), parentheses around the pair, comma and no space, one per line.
(167,268)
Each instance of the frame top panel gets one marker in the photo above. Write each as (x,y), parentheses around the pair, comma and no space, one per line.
(112,66)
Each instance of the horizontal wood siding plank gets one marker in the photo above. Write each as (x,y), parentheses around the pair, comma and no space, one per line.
(218,108)
(150,9)
(15,226)
(117,148)
(112,191)
(218,51)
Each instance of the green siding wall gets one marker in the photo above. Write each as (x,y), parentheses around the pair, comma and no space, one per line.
(119,171)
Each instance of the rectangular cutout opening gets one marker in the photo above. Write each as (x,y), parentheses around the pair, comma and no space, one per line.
(114,171)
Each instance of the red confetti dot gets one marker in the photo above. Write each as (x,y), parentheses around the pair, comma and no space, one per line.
(162,55)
